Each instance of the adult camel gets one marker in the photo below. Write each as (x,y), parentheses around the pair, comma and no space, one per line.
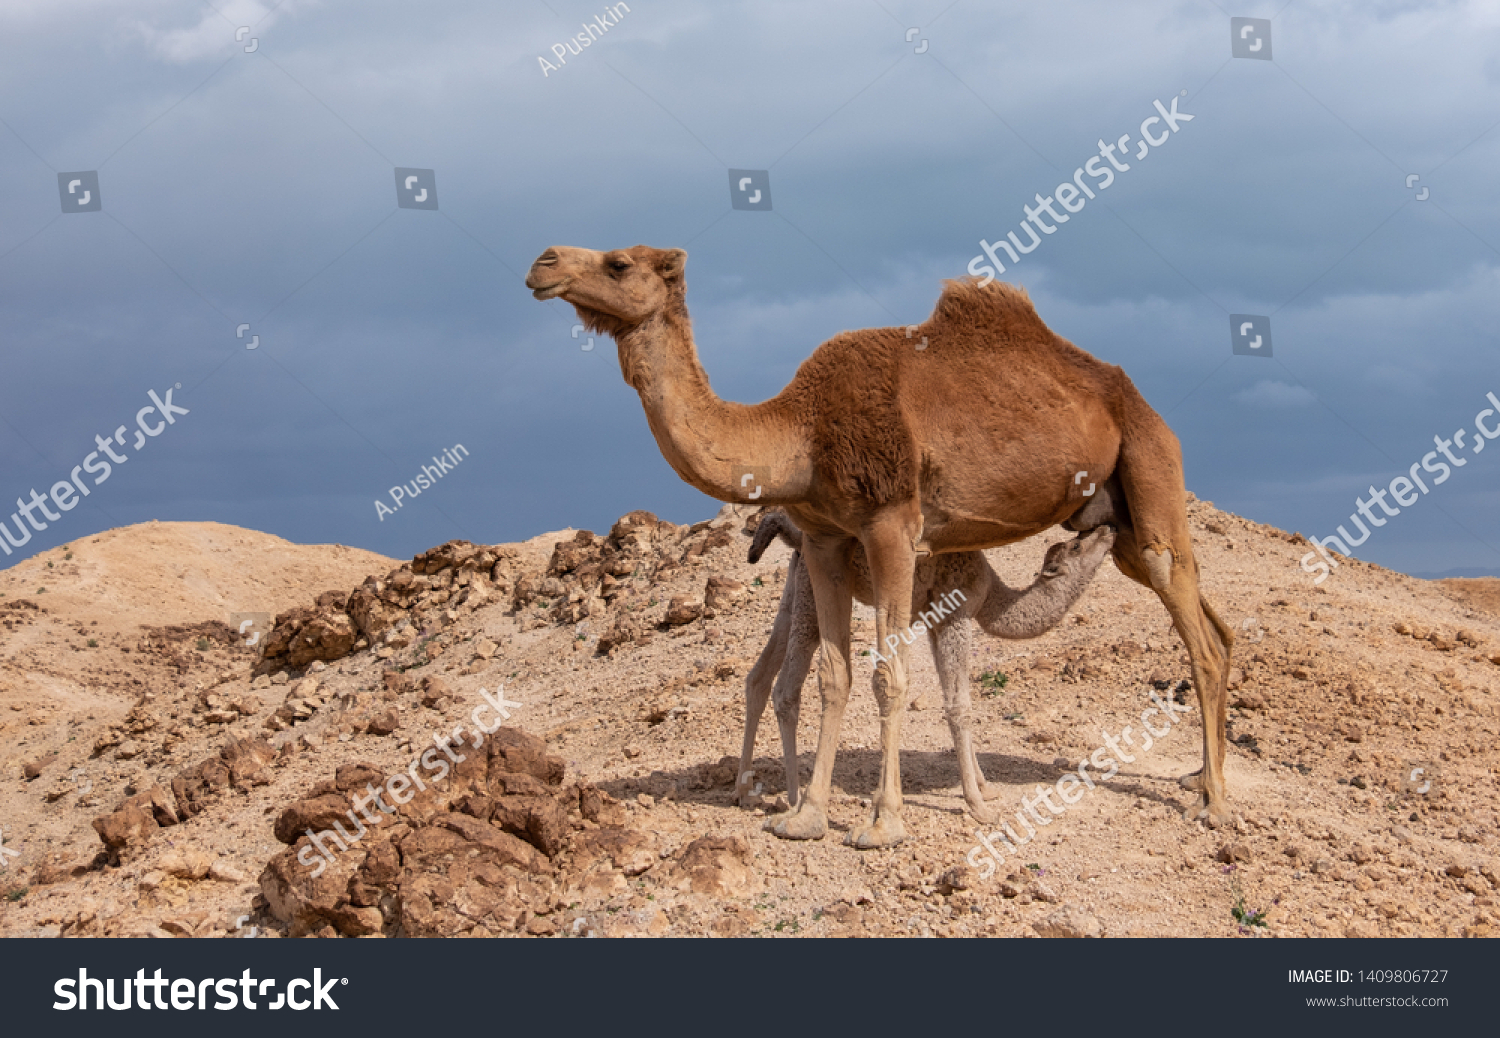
(981,437)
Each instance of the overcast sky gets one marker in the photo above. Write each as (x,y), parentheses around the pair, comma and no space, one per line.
(252,181)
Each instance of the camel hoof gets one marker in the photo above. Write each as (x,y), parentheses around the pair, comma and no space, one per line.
(1215,815)
(1192,782)
(887,830)
(983,814)
(804,823)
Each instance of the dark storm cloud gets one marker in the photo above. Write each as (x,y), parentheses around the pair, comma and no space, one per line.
(257,188)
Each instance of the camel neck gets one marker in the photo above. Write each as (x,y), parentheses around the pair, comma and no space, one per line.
(706,440)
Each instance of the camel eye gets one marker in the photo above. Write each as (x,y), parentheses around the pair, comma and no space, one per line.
(619,266)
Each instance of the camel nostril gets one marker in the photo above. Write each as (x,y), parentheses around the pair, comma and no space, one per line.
(547,259)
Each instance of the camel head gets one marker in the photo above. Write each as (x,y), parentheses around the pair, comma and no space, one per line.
(612,291)
(1064,557)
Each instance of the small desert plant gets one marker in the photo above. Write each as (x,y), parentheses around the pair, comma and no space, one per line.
(1242,915)
(203,645)
(93,643)
(41,590)
(16,893)
(993,682)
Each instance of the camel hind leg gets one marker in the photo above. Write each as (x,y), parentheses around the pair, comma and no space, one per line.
(950,652)
(767,669)
(1156,550)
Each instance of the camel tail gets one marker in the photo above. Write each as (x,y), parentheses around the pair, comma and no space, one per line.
(773,524)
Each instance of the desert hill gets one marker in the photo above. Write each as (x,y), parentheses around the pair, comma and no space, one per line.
(162,781)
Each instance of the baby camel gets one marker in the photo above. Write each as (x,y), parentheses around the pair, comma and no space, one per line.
(1000,610)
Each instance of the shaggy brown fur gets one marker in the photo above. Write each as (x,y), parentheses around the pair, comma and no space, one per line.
(970,443)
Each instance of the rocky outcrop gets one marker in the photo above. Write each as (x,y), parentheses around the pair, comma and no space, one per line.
(587,578)
(494,844)
(239,764)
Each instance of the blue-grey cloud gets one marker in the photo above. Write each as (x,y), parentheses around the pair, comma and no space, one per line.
(257,187)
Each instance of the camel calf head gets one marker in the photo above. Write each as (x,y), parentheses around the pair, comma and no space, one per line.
(1066,558)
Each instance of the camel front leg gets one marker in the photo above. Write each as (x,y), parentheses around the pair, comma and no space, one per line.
(889,547)
(824,559)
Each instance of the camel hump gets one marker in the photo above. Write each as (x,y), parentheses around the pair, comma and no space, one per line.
(774,523)
(968,304)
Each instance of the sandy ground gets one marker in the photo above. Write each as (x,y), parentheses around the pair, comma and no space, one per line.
(1340,693)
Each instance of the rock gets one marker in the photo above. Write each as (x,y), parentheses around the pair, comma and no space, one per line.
(1251,701)
(513,750)
(308,898)
(186,926)
(1456,870)
(1069,921)
(484,648)
(721,866)
(58,873)
(1361,854)
(720,593)
(396,684)
(626,630)
(629,851)
(540,821)
(323,631)
(1041,892)
(126,830)
(1231,853)
(316,813)
(959,877)
(33,769)
(186,863)
(383,723)
(356,776)
(129,750)
(434,690)
(484,842)
(224,873)
(307,688)
(682,610)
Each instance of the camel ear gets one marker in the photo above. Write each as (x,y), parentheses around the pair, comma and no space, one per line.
(671,263)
